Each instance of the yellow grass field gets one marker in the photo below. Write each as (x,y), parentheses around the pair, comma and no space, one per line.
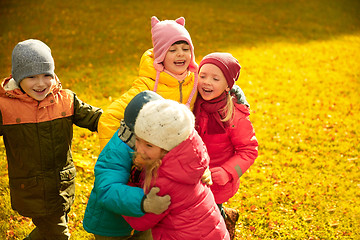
(300,73)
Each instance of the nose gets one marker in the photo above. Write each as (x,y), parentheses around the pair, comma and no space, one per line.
(41,80)
(206,81)
(138,146)
(180,52)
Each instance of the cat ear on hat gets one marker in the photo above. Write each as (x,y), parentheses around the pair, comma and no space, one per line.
(154,21)
(181,21)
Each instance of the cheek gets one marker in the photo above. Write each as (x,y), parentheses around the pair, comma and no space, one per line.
(154,154)
(25,84)
(189,56)
(223,85)
(167,61)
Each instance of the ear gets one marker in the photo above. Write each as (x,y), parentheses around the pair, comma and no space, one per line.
(180,21)
(227,89)
(154,21)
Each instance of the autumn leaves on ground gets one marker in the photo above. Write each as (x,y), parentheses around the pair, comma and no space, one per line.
(300,72)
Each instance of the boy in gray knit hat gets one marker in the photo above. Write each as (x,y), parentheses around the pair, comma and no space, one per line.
(36,122)
(30,58)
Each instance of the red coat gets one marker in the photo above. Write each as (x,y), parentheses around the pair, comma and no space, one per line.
(193,213)
(234,151)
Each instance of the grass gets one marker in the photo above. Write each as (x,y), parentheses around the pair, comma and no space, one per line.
(301,75)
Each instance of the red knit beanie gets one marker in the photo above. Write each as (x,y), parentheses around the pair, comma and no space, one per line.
(227,63)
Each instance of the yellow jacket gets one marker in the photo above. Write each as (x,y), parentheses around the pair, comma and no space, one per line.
(168,87)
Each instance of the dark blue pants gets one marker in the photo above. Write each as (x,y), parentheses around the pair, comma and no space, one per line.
(222,210)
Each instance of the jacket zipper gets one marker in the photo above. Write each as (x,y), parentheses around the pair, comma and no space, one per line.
(180,90)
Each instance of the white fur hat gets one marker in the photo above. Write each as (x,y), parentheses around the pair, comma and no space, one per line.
(164,123)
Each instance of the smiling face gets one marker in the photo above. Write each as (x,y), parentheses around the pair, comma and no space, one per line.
(178,58)
(38,86)
(149,152)
(212,82)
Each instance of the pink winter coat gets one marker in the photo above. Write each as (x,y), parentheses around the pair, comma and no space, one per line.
(235,151)
(193,213)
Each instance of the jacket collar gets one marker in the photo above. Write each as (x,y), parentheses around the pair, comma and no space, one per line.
(146,69)
(9,88)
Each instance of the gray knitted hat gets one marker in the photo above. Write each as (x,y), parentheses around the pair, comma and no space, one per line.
(31,57)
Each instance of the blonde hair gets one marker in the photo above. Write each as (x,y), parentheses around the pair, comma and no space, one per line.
(150,167)
(228,109)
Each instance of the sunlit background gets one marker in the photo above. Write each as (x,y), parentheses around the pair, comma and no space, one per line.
(300,73)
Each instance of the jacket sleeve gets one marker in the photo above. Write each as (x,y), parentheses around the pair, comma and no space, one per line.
(110,119)
(112,171)
(85,115)
(246,148)
(149,220)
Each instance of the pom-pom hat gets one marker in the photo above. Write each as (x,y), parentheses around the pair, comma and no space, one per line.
(164,123)
(229,65)
(31,57)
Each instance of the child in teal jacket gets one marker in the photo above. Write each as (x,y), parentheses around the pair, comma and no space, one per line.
(111,197)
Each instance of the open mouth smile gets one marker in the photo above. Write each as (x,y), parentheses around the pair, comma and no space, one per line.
(39,91)
(179,63)
(207,90)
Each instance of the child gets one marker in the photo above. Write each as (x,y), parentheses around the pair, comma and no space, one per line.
(225,128)
(168,68)
(111,197)
(36,122)
(174,158)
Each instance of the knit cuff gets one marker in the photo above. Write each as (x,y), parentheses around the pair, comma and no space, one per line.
(126,135)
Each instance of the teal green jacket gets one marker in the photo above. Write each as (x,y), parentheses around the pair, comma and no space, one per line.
(111,197)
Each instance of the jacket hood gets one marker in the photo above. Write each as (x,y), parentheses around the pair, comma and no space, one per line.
(11,89)
(146,69)
(186,162)
(242,107)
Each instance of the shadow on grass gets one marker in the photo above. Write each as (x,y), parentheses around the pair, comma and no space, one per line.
(256,22)
(100,33)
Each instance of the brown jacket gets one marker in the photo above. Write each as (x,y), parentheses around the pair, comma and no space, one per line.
(37,138)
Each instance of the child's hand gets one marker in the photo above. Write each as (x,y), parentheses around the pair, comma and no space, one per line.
(206,177)
(154,203)
(219,176)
